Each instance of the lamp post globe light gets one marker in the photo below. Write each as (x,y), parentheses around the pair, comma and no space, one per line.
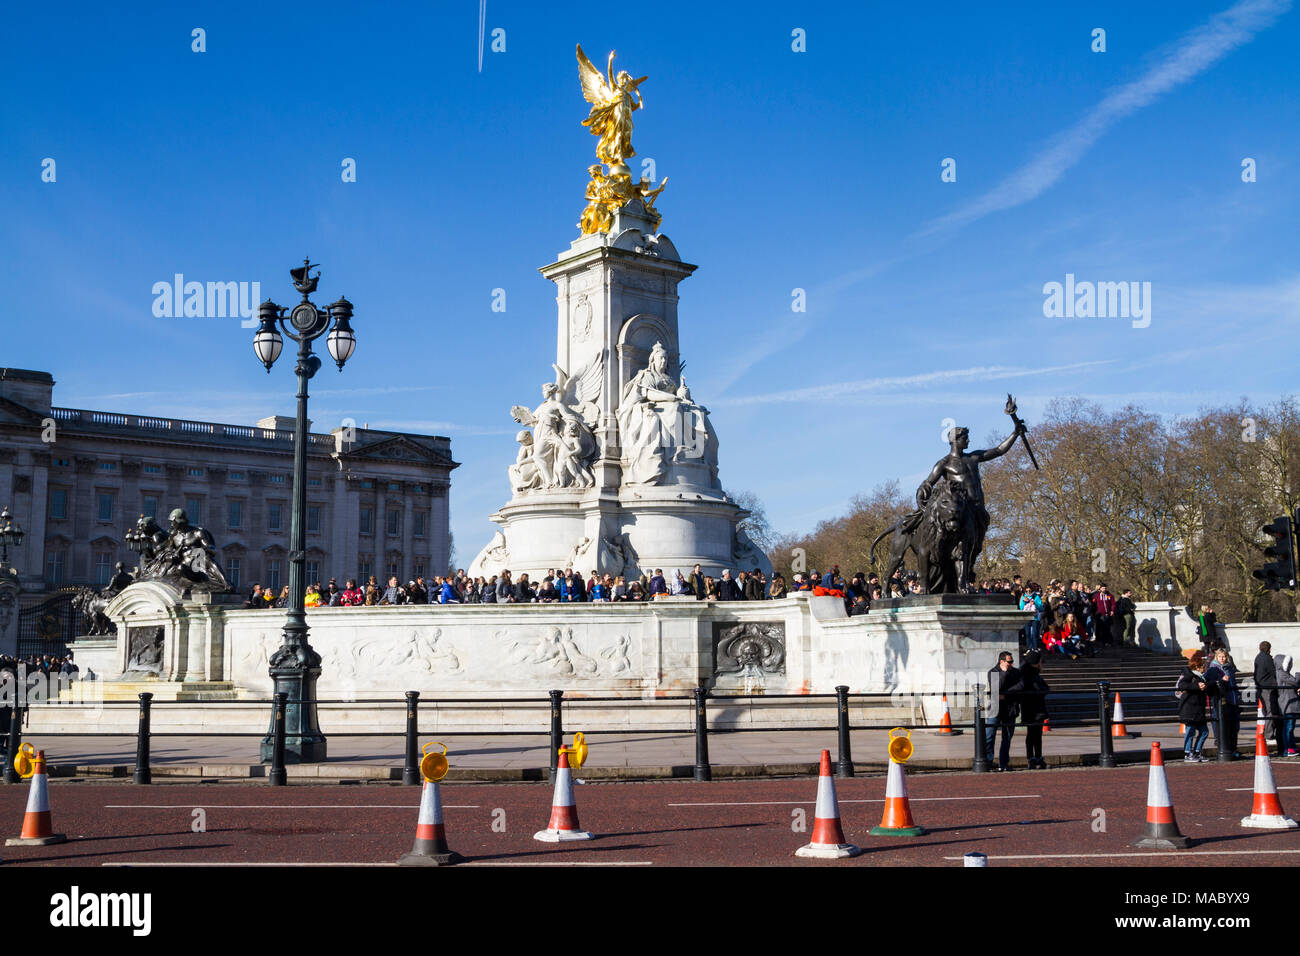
(10,534)
(295,667)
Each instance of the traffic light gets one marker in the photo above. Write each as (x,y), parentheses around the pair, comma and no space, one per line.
(1280,574)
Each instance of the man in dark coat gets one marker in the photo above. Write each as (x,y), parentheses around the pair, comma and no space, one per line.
(1030,692)
(1002,711)
(728,589)
(1266,687)
(696,581)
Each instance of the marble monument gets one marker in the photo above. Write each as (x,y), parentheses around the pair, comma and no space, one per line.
(617,468)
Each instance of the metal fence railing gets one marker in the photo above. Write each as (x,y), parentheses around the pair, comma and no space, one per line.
(698,724)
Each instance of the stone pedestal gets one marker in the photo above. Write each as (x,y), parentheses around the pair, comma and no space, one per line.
(644,493)
(165,636)
(922,647)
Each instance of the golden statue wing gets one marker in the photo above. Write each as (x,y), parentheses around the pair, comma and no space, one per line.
(594,88)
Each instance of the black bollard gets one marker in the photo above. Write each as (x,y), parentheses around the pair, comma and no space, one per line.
(1107,756)
(278,776)
(142,772)
(557,729)
(1225,753)
(411,772)
(15,741)
(843,766)
(981,763)
(703,772)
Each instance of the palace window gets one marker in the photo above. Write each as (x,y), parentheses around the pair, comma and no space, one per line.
(367,521)
(394,522)
(54,566)
(103,568)
(313,518)
(273,517)
(58,502)
(273,576)
(236,514)
(105,507)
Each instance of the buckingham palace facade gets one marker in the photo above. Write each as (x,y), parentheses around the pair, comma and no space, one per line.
(77,480)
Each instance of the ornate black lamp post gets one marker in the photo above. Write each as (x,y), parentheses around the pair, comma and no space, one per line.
(10,533)
(295,666)
(1164,582)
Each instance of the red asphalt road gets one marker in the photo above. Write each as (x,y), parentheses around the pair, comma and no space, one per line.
(1046,816)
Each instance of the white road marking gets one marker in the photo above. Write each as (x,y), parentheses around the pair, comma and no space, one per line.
(1251,789)
(797,803)
(558,863)
(466,863)
(1170,853)
(245,863)
(281,806)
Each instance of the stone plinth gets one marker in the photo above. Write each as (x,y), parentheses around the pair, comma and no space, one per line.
(921,647)
(908,653)
(162,635)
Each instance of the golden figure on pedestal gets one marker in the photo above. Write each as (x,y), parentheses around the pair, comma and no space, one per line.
(613,100)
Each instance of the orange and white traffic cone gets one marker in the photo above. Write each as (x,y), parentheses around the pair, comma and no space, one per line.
(563,825)
(945,721)
(1261,730)
(827,836)
(1266,813)
(1117,728)
(897,819)
(37,828)
(1162,829)
(430,847)
(1047,727)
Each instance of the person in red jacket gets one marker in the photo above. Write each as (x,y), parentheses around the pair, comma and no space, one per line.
(352,595)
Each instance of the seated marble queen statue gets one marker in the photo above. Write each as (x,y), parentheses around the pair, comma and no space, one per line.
(660,426)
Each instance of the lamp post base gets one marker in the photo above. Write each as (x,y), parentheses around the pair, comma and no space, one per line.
(303,740)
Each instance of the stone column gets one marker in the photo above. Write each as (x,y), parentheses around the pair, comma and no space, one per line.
(38,511)
(381,533)
(7,458)
(128,507)
(339,566)
(255,525)
(408,532)
(83,510)
(439,529)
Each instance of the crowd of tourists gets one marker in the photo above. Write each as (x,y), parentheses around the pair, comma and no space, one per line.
(42,664)
(556,586)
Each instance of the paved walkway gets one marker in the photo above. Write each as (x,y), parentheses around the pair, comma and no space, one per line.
(617,755)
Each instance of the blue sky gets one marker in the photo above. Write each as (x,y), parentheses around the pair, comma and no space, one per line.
(817,170)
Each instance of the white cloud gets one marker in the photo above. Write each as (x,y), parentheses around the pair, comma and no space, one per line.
(904,383)
(1188,57)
